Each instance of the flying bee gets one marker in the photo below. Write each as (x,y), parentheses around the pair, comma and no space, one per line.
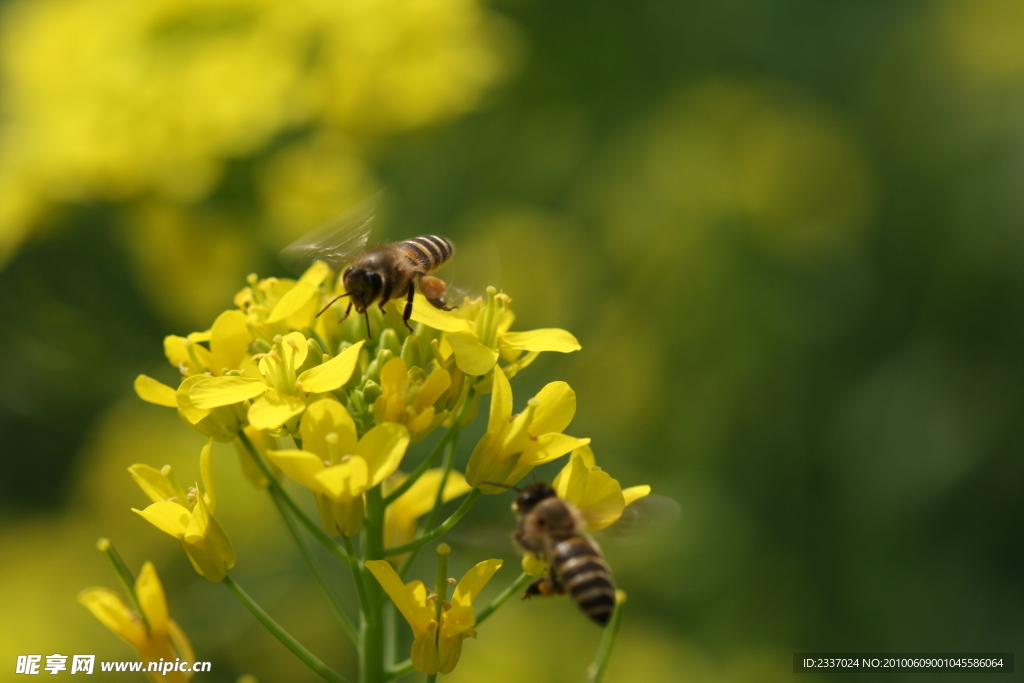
(380,274)
(552,528)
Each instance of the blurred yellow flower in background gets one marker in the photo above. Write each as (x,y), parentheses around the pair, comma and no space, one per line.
(149,102)
(153,634)
(402,515)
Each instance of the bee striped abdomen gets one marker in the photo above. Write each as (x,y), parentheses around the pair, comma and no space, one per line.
(428,252)
(584,574)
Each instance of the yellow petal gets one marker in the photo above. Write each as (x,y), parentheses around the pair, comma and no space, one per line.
(474,581)
(213,392)
(436,384)
(534,565)
(446,321)
(297,297)
(206,472)
(501,404)
(207,544)
(113,613)
(484,463)
(273,409)
(393,374)
(152,601)
(188,411)
(170,518)
(552,446)
(177,351)
(345,480)
(409,598)
(602,502)
(472,357)
(153,483)
(587,453)
(456,627)
(294,349)
(324,417)
(152,391)
(634,493)
(334,373)
(302,466)
(383,448)
(341,516)
(424,651)
(300,295)
(548,339)
(556,410)
(182,647)
(571,482)
(229,341)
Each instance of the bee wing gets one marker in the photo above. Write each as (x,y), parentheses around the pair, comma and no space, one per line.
(641,518)
(335,242)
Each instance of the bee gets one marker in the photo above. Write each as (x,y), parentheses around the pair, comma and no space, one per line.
(552,528)
(380,274)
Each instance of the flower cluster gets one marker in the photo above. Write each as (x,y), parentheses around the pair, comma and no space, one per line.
(338,411)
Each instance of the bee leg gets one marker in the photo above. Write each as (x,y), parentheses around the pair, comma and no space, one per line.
(347,311)
(434,289)
(439,303)
(544,587)
(408,306)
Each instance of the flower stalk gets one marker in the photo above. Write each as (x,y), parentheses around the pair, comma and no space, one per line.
(308,658)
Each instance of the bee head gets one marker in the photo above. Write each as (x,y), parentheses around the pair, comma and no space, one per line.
(530,496)
(363,284)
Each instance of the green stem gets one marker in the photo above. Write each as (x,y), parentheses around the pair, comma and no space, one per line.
(432,678)
(286,639)
(371,633)
(127,580)
(357,575)
(439,531)
(278,491)
(429,461)
(346,621)
(596,670)
(513,588)
(401,669)
(449,460)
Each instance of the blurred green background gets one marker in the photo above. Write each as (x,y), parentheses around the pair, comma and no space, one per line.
(789,235)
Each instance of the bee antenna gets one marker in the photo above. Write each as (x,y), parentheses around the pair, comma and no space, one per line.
(366,312)
(331,304)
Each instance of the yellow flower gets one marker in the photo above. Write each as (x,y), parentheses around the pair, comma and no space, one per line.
(229,339)
(408,398)
(478,334)
(436,646)
(402,515)
(600,499)
(282,388)
(513,447)
(337,467)
(188,516)
(277,306)
(154,635)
